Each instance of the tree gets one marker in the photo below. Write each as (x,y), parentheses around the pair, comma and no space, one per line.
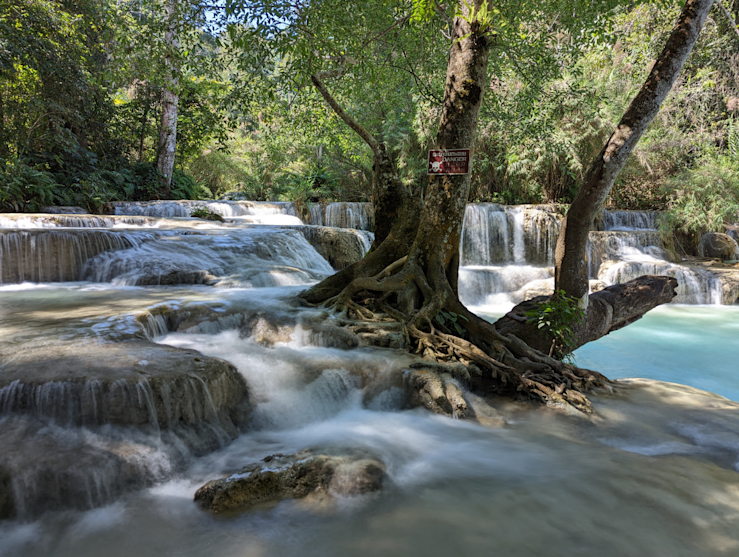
(410,275)
(621,304)
(168,126)
(570,268)
(419,286)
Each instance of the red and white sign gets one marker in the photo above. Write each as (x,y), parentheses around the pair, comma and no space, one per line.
(449,161)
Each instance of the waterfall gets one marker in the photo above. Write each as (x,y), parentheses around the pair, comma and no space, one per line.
(695,286)
(57,256)
(620,245)
(131,401)
(349,215)
(629,220)
(252,212)
(508,253)
(316,214)
(493,234)
(231,258)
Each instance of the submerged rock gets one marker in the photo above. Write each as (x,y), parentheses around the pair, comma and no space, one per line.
(295,476)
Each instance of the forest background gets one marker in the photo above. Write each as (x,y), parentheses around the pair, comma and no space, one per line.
(83,83)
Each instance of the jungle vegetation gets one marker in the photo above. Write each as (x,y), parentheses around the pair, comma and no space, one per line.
(83,89)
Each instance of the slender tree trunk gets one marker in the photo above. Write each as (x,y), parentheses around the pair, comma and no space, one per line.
(142,136)
(170,99)
(571,270)
(3,128)
(396,210)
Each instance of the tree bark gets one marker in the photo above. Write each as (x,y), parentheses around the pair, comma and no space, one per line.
(170,100)
(571,270)
(436,247)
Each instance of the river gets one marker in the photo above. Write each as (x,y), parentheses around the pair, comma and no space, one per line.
(654,473)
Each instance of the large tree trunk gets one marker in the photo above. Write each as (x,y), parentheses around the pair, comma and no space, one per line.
(415,283)
(170,99)
(571,270)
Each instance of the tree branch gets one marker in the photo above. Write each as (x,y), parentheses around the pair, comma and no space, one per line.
(318,79)
(398,23)
(728,15)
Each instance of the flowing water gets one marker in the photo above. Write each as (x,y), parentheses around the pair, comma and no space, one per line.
(656,473)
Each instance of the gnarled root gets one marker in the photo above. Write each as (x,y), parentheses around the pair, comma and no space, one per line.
(495,363)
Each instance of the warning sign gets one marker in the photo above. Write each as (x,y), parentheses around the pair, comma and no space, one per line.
(449,161)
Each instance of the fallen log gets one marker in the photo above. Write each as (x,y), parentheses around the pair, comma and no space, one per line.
(608,310)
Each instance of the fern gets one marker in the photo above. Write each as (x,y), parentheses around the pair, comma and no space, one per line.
(732,129)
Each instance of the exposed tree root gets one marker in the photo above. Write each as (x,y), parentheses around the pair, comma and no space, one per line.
(493,362)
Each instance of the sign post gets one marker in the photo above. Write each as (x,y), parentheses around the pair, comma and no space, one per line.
(449,161)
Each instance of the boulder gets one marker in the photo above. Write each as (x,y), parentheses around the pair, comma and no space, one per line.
(279,477)
(340,247)
(133,383)
(717,246)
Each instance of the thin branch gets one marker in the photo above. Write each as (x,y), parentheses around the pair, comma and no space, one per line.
(728,15)
(398,23)
(318,79)
(442,13)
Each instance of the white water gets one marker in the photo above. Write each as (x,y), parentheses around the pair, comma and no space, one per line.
(519,242)
(655,475)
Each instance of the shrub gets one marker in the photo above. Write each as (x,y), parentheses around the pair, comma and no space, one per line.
(25,188)
(704,198)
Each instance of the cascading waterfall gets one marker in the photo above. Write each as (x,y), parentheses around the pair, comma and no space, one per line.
(511,251)
(631,247)
(507,252)
(619,245)
(629,220)
(251,212)
(57,256)
(316,214)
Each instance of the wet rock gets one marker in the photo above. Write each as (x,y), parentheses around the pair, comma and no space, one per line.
(45,467)
(174,277)
(340,247)
(64,210)
(127,383)
(436,391)
(279,477)
(718,246)
(7,503)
